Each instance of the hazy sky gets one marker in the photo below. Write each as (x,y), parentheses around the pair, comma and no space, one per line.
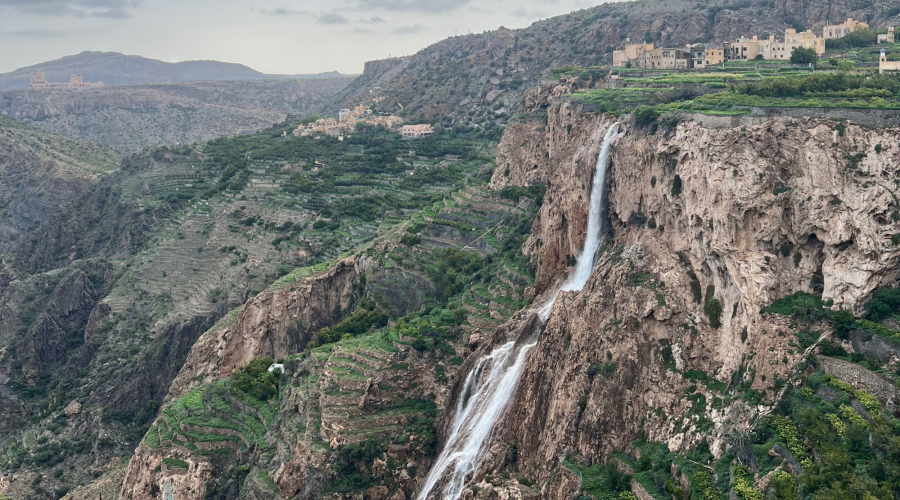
(294,36)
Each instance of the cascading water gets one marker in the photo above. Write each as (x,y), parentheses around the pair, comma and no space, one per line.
(584,265)
(490,385)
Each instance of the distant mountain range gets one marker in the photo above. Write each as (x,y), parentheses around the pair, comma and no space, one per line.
(113,68)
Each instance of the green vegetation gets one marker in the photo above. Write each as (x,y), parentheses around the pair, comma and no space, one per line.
(256,381)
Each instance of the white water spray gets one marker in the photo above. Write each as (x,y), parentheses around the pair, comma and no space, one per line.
(489,386)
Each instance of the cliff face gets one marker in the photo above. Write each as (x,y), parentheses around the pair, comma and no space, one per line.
(274,324)
(702,220)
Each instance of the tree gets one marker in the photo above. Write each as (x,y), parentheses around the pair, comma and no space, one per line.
(801,55)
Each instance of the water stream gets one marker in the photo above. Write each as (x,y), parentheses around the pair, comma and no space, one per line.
(489,387)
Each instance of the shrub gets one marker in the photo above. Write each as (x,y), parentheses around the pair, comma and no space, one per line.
(256,381)
(714,312)
(644,116)
(883,304)
(174,462)
(410,239)
(606,369)
(844,322)
(676,185)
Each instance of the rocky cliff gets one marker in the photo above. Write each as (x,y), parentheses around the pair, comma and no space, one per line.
(707,227)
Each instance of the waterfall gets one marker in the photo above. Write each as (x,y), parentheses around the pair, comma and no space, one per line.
(584,265)
(489,386)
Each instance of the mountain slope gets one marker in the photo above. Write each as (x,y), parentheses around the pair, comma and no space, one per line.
(483,77)
(40,172)
(113,68)
(130,118)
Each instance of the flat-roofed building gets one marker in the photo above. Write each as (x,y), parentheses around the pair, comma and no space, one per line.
(833,31)
(887,38)
(665,59)
(707,58)
(631,52)
(416,131)
(885,66)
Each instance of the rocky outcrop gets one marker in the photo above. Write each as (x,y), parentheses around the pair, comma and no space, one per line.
(68,309)
(738,216)
(275,323)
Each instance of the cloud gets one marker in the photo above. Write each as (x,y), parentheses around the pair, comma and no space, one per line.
(360,31)
(35,33)
(419,5)
(407,30)
(332,18)
(114,9)
(372,20)
(524,14)
(284,10)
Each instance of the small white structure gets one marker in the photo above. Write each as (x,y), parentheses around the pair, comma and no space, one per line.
(276,368)
(885,66)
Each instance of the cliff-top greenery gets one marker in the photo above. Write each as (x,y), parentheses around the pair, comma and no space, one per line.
(841,79)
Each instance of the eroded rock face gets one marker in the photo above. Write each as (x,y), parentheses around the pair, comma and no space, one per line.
(741,216)
(275,323)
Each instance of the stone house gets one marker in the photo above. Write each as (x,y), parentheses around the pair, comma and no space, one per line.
(833,31)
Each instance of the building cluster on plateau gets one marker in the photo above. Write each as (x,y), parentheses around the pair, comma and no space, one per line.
(39,81)
(348,119)
(699,56)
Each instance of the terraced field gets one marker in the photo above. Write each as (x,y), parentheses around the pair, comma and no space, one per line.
(383,388)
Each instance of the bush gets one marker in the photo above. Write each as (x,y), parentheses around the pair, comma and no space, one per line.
(883,304)
(256,381)
(844,323)
(644,116)
(676,186)
(606,369)
(714,312)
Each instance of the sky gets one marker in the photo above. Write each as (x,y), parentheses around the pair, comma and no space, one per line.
(272,36)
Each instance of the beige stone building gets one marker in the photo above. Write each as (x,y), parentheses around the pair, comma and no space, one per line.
(416,131)
(833,31)
(631,52)
(746,49)
(665,59)
(39,81)
(885,66)
(706,58)
(806,39)
(887,38)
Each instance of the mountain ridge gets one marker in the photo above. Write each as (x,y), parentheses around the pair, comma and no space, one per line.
(115,68)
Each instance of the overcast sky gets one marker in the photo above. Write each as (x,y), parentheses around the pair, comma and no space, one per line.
(272,36)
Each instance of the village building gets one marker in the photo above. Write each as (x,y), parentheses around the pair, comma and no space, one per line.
(416,131)
(39,81)
(887,38)
(833,31)
(631,52)
(805,39)
(885,66)
(747,49)
(665,59)
(706,58)
(347,121)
